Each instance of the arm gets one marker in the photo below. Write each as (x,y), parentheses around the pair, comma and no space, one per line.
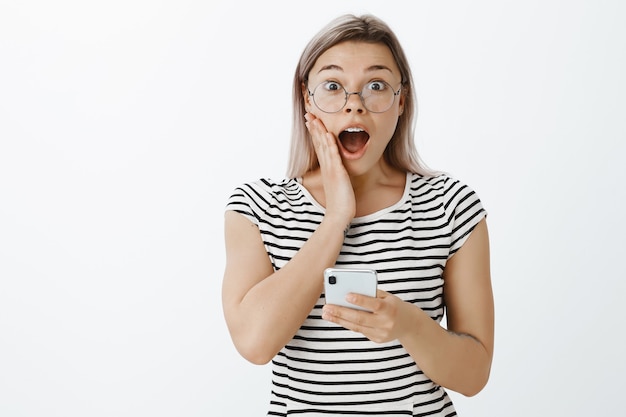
(458,358)
(263,308)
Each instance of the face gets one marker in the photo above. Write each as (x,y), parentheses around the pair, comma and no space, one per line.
(362,129)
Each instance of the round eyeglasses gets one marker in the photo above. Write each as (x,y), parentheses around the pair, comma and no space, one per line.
(376,96)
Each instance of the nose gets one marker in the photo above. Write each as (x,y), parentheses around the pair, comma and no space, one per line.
(354,102)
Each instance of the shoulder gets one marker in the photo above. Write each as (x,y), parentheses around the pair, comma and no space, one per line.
(461,206)
(264,187)
(256,197)
(442,187)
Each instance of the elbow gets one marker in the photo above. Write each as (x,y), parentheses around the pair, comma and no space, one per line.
(252,344)
(476,386)
(255,351)
(256,357)
(472,391)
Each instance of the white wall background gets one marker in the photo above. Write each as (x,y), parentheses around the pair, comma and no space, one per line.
(124,125)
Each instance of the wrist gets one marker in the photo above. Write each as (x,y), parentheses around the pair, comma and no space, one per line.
(414,322)
(340,225)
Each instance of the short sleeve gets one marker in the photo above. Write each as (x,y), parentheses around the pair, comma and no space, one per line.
(249,200)
(465,211)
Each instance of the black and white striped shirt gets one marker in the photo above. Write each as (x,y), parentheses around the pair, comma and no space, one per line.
(326,370)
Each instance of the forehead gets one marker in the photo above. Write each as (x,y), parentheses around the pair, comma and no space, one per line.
(356,58)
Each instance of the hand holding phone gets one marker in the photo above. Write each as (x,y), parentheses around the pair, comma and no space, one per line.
(338,282)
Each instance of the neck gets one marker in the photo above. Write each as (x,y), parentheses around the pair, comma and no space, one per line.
(374,190)
(382,174)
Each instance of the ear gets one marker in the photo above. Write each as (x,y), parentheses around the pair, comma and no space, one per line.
(305,96)
(401,101)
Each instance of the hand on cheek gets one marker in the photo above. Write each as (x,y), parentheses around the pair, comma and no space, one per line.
(324,142)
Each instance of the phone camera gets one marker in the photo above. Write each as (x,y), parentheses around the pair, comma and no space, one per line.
(332,279)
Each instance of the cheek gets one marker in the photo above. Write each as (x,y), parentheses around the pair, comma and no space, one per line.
(326,120)
(388,128)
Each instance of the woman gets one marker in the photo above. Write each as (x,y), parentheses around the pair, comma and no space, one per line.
(357,196)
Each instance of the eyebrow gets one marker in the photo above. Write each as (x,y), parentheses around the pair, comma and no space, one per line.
(368,69)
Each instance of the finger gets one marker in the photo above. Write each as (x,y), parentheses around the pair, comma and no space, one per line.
(313,124)
(325,143)
(347,317)
(369,303)
(318,131)
(382,293)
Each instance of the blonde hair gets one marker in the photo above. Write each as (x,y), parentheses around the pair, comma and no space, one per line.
(400,152)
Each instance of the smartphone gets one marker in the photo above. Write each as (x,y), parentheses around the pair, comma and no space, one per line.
(338,282)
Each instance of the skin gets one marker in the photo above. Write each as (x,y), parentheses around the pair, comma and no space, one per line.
(264,308)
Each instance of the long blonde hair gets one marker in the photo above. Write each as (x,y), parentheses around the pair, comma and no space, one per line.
(400,152)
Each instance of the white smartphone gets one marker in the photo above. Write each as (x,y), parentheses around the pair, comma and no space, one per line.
(338,282)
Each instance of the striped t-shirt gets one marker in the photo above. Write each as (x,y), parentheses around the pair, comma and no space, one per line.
(326,370)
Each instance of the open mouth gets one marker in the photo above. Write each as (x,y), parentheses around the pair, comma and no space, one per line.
(353,139)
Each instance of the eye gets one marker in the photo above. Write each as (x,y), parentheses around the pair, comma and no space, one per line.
(376,86)
(332,86)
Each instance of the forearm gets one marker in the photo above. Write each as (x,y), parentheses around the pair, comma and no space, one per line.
(271,312)
(456,361)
